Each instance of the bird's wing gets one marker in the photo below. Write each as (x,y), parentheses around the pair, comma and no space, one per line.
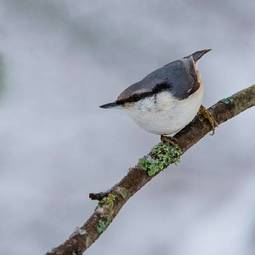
(178,77)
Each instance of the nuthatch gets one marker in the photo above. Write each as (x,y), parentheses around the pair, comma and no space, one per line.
(167,99)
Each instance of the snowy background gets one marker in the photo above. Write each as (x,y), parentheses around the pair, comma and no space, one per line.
(59,60)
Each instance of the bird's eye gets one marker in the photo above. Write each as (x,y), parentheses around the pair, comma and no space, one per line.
(162,86)
(135,97)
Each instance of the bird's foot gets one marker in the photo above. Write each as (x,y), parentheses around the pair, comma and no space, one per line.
(169,139)
(207,115)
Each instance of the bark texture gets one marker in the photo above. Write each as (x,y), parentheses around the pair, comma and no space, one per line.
(162,155)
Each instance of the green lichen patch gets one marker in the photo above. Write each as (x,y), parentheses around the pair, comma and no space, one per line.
(108,200)
(228,100)
(160,157)
(102,224)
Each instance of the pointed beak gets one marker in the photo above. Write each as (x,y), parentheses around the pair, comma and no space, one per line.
(109,105)
(198,54)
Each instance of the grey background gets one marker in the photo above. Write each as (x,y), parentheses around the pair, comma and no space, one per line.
(60,59)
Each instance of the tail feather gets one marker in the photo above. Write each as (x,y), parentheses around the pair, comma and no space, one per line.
(109,105)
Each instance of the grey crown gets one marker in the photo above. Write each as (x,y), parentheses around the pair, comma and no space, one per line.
(178,77)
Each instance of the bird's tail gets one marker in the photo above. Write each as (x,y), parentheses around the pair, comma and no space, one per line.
(198,54)
(110,105)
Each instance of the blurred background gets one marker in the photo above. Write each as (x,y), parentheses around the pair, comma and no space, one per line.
(60,60)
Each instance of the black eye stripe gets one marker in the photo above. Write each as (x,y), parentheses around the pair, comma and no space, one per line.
(136,97)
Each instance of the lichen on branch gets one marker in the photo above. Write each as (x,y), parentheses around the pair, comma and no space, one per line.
(102,225)
(161,156)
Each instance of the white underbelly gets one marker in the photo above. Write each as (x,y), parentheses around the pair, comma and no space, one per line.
(165,115)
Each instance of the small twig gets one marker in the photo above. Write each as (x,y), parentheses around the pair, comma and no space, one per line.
(98,196)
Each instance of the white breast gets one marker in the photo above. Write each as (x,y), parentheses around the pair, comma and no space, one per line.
(163,114)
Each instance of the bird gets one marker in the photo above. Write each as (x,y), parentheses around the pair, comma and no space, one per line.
(167,99)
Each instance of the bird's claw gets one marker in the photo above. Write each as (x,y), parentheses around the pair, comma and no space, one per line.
(207,115)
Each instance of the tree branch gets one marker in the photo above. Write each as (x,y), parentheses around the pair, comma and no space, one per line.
(162,155)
